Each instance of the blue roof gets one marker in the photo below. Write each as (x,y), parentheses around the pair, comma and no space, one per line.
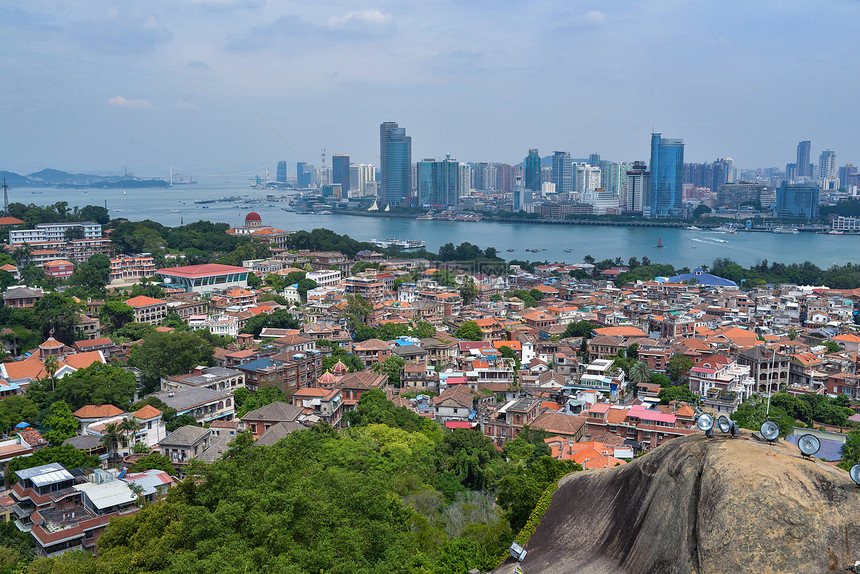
(704,278)
(257,364)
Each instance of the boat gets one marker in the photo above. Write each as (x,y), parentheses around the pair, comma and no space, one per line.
(510,250)
(835,232)
(726,228)
(401,244)
(786,230)
(659,243)
(426,217)
(693,228)
(174,211)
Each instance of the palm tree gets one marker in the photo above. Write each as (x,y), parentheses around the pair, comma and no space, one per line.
(52,365)
(639,373)
(128,426)
(111,437)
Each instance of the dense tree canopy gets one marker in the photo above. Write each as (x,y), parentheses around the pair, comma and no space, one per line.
(171,353)
(98,384)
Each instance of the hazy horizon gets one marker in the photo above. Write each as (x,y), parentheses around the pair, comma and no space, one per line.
(196,83)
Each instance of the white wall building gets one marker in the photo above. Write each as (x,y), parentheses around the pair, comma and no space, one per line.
(54,232)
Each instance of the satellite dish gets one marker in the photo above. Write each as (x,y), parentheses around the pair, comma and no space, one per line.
(736,430)
(705,422)
(808,444)
(724,423)
(854,473)
(770,430)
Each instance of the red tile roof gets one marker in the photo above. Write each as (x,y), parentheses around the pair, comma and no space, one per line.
(201,270)
(97,411)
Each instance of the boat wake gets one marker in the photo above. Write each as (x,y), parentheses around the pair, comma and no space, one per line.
(711,240)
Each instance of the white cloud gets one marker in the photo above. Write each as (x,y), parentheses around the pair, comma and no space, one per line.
(134,104)
(373,17)
(184,105)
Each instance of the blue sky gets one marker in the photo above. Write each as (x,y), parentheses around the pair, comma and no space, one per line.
(103,84)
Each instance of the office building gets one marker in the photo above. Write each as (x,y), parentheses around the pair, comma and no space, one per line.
(828,171)
(667,175)
(340,171)
(532,180)
(562,172)
(733,195)
(587,181)
(797,201)
(465,179)
(395,154)
(304,175)
(637,188)
(594,160)
(804,166)
(282,172)
(613,176)
(438,182)
(360,174)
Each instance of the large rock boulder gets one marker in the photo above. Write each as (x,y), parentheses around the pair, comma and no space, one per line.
(703,506)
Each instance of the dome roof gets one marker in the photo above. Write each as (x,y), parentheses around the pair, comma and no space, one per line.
(253,216)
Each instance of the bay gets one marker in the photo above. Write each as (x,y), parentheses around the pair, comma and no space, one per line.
(681,247)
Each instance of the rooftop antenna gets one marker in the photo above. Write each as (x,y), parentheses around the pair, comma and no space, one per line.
(5,197)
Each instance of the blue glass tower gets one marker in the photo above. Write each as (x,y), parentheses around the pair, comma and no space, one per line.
(395,155)
(798,201)
(667,176)
(533,170)
(438,182)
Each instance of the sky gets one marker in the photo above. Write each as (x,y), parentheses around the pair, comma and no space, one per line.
(229,86)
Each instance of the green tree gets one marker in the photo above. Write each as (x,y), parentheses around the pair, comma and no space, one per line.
(580,329)
(357,311)
(182,420)
(116,314)
(112,436)
(392,366)
(678,367)
(677,393)
(57,315)
(98,384)
(173,353)
(280,319)
(469,291)
(60,422)
(469,331)
(640,373)
(151,461)
(15,409)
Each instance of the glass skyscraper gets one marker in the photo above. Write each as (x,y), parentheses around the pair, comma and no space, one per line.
(562,172)
(438,182)
(798,201)
(804,165)
(533,170)
(667,176)
(340,171)
(303,175)
(282,172)
(395,155)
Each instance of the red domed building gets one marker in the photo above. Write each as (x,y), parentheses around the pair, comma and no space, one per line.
(266,233)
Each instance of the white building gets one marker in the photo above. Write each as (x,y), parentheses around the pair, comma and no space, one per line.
(224,325)
(327,278)
(54,232)
(360,174)
(828,171)
(587,181)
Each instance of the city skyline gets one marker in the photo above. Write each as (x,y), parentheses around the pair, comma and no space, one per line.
(224,86)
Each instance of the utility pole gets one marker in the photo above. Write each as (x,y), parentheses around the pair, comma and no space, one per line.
(5,197)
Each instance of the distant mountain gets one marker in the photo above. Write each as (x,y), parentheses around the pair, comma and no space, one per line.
(55,176)
(58,178)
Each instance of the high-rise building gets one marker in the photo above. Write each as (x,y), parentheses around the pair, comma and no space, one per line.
(667,176)
(799,201)
(282,172)
(465,179)
(438,182)
(828,171)
(360,174)
(637,188)
(395,155)
(587,181)
(340,171)
(613,176)
(562,172)
(545,175)
(804,157)
(532,180)
(304,175)
(594,160)
(504,177)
